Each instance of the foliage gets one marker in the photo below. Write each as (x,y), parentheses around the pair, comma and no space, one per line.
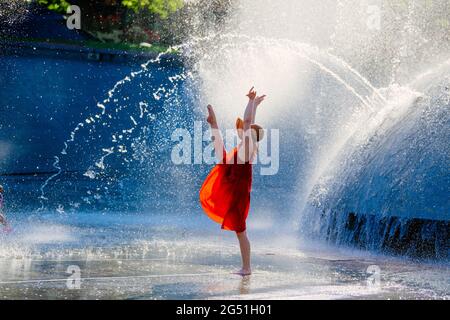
(55,5)
(163,8)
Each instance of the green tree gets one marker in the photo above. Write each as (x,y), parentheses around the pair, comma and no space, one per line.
(163,8)
(55,5)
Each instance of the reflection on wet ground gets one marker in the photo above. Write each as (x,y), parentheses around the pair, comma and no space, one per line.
(151,262)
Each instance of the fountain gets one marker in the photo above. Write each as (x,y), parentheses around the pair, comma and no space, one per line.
(361,109)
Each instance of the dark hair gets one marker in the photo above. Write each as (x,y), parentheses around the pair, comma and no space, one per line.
(257,132)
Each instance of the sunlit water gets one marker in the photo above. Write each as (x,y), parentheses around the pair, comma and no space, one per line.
(106,198)
(163,256)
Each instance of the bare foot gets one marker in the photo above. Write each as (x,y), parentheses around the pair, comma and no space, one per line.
(243,272)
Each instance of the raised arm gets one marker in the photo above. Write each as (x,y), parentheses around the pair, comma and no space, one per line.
(216,136)
(256,103)
(247,146)
(250,111)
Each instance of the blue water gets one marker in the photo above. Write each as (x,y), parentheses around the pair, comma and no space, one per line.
(142,205)
(43,99)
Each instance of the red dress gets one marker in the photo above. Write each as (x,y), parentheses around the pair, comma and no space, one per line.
(225,194)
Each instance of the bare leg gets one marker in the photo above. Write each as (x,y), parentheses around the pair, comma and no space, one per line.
(244,244)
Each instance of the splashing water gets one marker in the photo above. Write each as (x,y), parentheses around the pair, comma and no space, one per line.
(90,120)
(363,148)
(336,69)
(324,107)
(368,101)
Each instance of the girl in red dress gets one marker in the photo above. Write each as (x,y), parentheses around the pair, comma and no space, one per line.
(225,194)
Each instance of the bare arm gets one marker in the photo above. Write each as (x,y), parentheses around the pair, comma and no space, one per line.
(247,146)
(216,136)
(249,114)
(256,103)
